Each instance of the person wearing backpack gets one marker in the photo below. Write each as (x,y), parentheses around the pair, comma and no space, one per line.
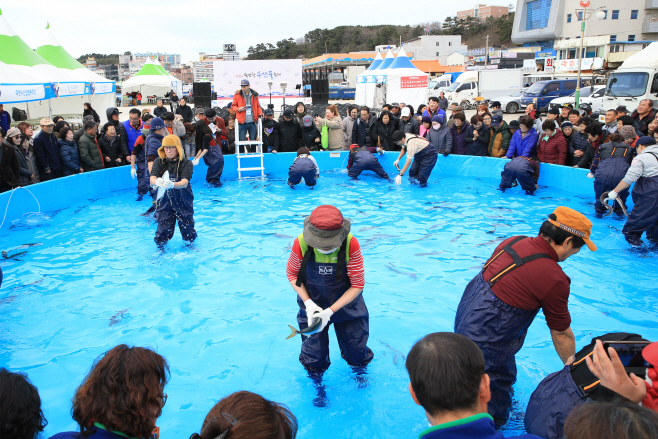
(575,384)
(331,129)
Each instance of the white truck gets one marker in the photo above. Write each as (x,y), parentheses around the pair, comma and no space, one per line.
(636,79)
(440,84)
(477,85)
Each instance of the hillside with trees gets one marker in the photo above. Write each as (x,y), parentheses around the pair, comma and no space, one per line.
(101,58)
(343,39)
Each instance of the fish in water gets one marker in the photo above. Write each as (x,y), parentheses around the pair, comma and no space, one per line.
(424,237)
(436,226)
(397,355)
(504,209)
(495,216)
(278,235)
(380,205)
(456,238)
(367,228)
(308,331)
(362,213)
(394,269)
(116,318)
(15,256)
(432,208)
(28,245)
(429,254)
(217,201)
(161,190)
(493,241)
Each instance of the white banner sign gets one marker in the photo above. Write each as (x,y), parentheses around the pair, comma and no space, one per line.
(571,65)
(98,88)
(62,89)
(229,74)
(529,66)
(10,93)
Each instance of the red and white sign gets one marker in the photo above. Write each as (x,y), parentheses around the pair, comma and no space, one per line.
(413,82)
(549,62)
(584,3)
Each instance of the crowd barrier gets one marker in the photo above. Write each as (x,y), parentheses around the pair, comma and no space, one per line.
(67,191)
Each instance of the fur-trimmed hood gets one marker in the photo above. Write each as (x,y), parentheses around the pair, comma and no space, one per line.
(172,140)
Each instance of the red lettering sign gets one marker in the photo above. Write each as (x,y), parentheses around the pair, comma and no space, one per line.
(413,82)
(584,3)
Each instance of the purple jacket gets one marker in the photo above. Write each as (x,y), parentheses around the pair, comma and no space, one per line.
(523,147)
(459,140)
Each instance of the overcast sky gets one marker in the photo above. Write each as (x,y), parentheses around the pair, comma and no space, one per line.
(115,26)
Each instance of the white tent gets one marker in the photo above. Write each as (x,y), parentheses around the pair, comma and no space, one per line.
(151,80)
(101,93)
(378,77)
(405,82)
(177,85)
(360,94)
(17,87)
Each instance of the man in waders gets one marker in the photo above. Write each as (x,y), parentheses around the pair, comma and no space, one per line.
(325,268)
(520,278)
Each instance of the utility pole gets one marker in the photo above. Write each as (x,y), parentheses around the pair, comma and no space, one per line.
(486,52)
(580,54)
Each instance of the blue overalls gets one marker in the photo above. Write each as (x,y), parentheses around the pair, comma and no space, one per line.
(152,144)
(325,284)
(215,161)
(644,216)
(143,179)
(176,204)
(610,171)
(365,161)
(302,167)
(423,163)
(518,169)
(497,328)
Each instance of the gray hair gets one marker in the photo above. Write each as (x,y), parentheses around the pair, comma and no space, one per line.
(648,100)
(87,118)
(90,124)
(159,100)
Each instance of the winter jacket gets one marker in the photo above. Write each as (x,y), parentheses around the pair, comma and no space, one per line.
(93,113)
(309,134)
(28,164)
(498,112)
(230,134)
(536,125)
(478,146)
(46,151)
(121,133)
(348,124)
(359,130)
(553,150)
(90,153)
(577,142)
(441,139)
(335,126)
(645,164)
(159,111)
(270,141)
(499,141)
(642,124)
(239,101)
(611,150)
(381,132)
(178,129)
(443,103)
(10,168)
(410,126)
(132,133)
(290,136)
(186,112)
(459,138)
(5,120)
(111,149)
(78,134)
(588,156)
(70,157)
(521,146)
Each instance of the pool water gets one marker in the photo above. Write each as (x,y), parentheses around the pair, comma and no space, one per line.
(219,310)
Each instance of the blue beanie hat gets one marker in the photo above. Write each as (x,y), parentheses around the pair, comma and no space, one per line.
(438,118)
(157,123)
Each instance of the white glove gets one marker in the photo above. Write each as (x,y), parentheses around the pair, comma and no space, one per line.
(325,315)
(590,175)
(195,161)
(133,172)
(612,196)
(396,163)
(398,179)
(160,182)
(168,184)
(311,308)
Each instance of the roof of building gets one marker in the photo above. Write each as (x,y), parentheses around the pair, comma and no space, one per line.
(340,57)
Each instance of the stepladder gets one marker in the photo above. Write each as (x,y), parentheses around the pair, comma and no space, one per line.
(249,152)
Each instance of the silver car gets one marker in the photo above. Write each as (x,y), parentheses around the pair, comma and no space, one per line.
(511,103)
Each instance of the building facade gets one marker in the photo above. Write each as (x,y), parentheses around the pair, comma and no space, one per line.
(203,70)
(625,27)
(431,47)
(184,74)
(483,12)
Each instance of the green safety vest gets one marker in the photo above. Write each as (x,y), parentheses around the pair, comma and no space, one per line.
(320,257)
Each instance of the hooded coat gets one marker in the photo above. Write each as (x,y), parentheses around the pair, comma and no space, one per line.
(70,157)
(522,146)
(499,141)
(348,124)
(459,138)
(90,153)
(309,134)
(28,164)
(10,167)
(553,150)
(577,142)
(381,132)
(121,133)
(239,102)
(335,126)
(359,130)
(46,151)
(290,135)
(478,146)
(111,148)
(410,126)
(441,139)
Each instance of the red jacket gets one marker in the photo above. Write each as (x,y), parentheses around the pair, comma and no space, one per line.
(219,123)
(139,96)
(553,150)
(239,102)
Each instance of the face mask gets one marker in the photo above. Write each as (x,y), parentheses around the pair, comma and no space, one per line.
(269,130)
(327,252)
(436,125)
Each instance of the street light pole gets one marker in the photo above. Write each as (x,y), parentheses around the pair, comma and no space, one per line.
(580,54)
